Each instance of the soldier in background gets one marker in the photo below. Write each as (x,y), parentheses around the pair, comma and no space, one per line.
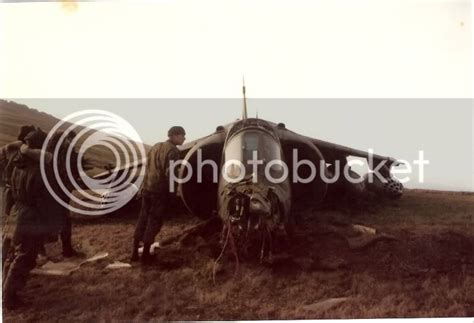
(32,221)
(155,194)
(7,153)
(61,163)
(66,230)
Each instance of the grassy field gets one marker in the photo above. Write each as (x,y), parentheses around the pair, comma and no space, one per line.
(425,270)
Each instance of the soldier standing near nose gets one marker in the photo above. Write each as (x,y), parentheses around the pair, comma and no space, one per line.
(155,193)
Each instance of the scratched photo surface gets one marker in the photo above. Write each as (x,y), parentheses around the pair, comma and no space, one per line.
(371,87)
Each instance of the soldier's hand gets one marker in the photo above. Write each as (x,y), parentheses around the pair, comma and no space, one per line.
(24,149)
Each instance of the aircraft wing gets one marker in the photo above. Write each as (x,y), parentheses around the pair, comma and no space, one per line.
(184,149)
(107,173)
(319,151)
(333,152)
(330,151)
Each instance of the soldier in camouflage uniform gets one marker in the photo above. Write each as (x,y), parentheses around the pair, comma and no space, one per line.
(61,163)
(7,154)
(66,231)
(155,193)
(32,219)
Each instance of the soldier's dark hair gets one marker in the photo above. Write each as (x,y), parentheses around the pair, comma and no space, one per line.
(24,130)
(35,138)
(176,130)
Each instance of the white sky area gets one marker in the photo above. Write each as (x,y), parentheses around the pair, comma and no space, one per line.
(285,49)
(333,48)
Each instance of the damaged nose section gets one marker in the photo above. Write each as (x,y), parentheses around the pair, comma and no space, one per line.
(259,204)
(250,215)
(248,209)
(259,208)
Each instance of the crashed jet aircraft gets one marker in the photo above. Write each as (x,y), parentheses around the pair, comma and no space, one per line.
(252,172)
(255,190)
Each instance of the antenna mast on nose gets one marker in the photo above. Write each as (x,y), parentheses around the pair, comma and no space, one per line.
(244,108)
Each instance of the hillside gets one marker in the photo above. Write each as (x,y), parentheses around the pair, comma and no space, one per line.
(14,115)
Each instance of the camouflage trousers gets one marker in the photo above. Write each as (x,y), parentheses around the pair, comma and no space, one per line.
(16,274)
(6,207)
(6,201)
(150,220)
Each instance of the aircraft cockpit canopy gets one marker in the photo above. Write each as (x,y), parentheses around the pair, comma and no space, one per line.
(253,147)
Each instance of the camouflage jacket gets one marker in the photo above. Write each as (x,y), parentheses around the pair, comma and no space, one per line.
(7,153)
(35,211)
(157,168)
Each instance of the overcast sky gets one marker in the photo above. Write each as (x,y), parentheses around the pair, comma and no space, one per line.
(285,49)
(329,48)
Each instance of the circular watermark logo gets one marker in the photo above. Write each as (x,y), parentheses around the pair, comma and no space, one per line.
(62,168)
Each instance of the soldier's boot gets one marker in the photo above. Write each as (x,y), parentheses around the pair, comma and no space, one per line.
(24,261)
(68,250)
(42,250)
(146,257)
(135,257)
(11,284)
(12,302)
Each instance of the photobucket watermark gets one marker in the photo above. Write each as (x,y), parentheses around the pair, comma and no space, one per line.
(277,171)
(68,183)
(92,129)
